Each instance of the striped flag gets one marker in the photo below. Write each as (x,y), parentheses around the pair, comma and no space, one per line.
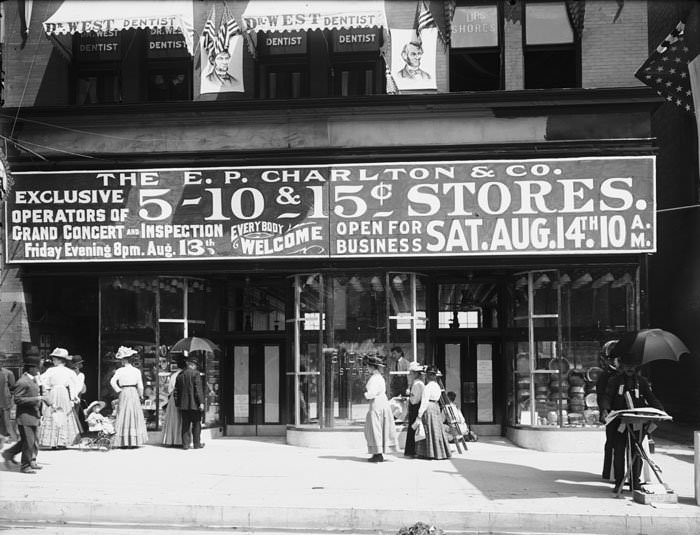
(209,35)
(227,30)
(424,19)
(666,69)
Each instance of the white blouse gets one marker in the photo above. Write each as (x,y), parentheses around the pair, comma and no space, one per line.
(127,375)
(60,376)
(171,381)
(416,392)
(431,392)
(375,387)
(79,382)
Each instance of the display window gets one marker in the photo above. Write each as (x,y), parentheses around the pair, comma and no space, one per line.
(568,315)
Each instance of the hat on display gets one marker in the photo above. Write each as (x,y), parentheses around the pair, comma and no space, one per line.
(416,367)
(124,352)
(94,406)
(373,360)
(60,353)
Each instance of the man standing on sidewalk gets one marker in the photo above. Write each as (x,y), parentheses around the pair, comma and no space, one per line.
(28,401)
(189,398)
(7,385)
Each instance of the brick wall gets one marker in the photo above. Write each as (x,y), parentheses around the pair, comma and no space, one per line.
(613,51)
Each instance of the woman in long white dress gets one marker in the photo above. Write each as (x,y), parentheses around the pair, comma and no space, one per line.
(380,431)
(172,422)
(59,425)
(127,381)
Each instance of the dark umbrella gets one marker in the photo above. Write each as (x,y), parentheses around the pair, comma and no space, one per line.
(640,347)
(194,343)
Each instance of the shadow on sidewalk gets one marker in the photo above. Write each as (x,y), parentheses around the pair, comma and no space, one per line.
(497,481)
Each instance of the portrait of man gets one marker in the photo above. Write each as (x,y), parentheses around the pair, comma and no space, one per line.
(413,59)
(411,54)
(219,74)
(222,70)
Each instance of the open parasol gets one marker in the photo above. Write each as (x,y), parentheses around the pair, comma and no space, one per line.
(641,347)
(194,343)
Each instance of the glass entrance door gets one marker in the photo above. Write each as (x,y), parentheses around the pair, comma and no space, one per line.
(470,370)
(255,371)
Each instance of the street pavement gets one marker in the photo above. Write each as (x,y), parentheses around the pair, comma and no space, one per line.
(258,484)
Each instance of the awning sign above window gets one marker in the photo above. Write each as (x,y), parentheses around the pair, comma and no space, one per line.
(82,16)
(294,15)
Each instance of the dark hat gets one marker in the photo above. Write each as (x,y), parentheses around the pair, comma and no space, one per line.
(373,360)
(32,360)
(77,359)
(432,370)
(33,352)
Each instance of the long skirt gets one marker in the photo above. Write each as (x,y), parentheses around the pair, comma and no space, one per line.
(59,426)
(410,448)
(172,424)
(380,431)
(436,444)
(130,426)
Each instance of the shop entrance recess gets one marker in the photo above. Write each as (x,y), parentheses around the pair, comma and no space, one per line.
(254,398)
(470,366)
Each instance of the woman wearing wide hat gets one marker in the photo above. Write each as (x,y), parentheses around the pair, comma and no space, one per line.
(436,444)
(76,364)
(172,421)
(415,380)
(380,431)
(59,427)
(127,381)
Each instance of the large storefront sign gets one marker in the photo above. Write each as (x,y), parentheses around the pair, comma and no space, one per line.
(451,208)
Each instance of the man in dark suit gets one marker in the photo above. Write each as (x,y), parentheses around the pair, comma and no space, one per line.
(626,390)
(189,398)
(609,364)
(28,401)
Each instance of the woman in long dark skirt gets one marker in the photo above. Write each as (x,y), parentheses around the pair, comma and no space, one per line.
(415,379)
(436,444)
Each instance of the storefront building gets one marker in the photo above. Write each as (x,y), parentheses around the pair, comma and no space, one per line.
(306,218)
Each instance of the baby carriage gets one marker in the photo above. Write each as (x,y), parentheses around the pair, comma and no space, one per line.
(100,429)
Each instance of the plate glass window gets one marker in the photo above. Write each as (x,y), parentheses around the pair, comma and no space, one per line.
(475,56)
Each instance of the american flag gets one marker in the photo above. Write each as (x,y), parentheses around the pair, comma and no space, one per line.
(227,30)
(666,69)
(425,18)
(209,35)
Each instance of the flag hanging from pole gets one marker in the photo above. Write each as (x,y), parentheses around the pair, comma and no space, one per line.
(424,19)
(227,31)
(209,34)
(666,69)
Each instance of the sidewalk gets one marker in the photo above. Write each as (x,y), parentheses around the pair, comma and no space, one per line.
(255,484)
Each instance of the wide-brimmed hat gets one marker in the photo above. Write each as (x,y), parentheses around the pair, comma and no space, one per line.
(76,359)
(95,405)
(373,360)
(416,367)
(124,352)
(60,353)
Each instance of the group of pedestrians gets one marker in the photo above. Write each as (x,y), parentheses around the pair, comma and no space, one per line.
(425,435)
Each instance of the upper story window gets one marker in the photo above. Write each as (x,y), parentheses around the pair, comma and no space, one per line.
(551,49)
(356,68)
(155,65)
(475,55)
(283,67)
(97,66)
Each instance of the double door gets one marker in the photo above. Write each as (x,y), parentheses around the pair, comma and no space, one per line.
(254,386)
(470,366)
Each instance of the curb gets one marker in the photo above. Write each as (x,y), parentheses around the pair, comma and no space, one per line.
(344,519)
